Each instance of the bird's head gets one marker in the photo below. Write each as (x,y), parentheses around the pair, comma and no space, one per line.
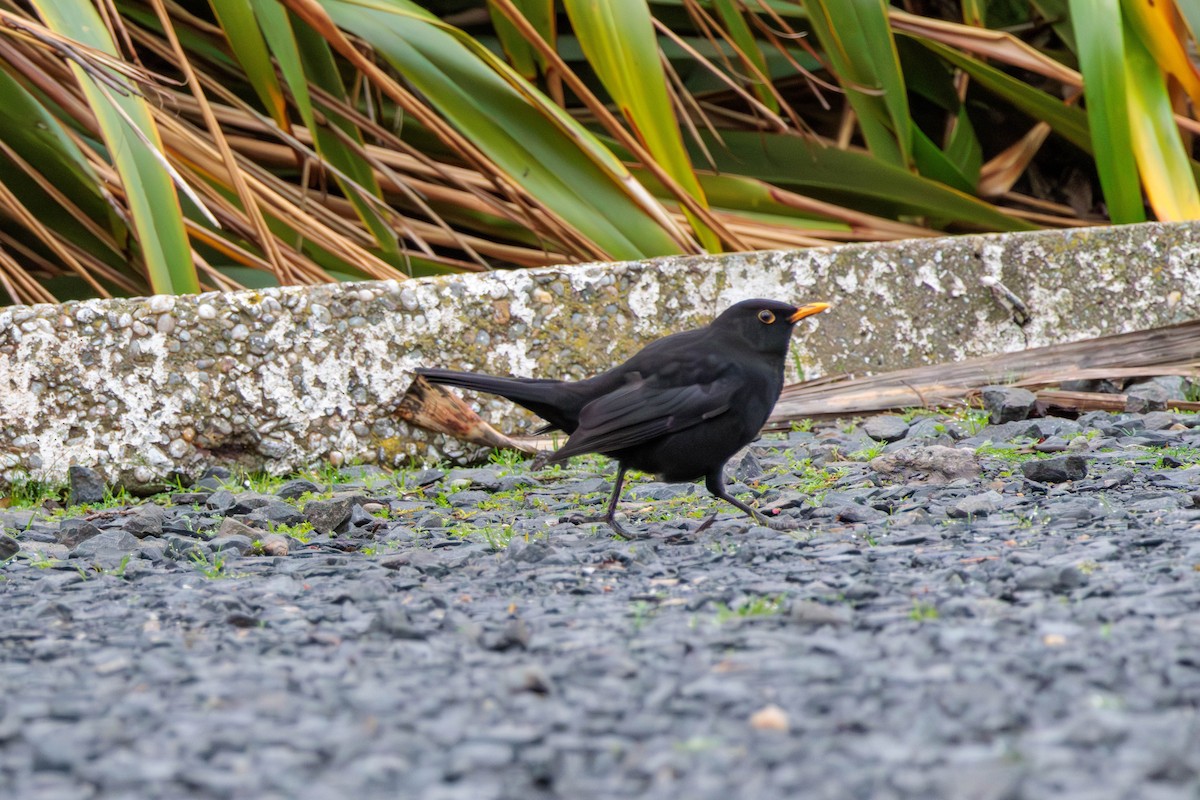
(766,324)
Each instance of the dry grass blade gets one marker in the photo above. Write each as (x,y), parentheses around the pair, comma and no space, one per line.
(998,45)
(1171,350)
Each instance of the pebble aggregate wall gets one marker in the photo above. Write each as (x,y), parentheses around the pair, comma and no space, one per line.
(283,379)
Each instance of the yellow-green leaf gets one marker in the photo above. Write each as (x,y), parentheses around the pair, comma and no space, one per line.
(618,40)
(1164,164)
(135,148)
(857,40)
(1102,52)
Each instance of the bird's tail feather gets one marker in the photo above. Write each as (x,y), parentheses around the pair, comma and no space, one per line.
(541,396)
(515,389)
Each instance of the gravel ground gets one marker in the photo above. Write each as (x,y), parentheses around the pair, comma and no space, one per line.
(967,611)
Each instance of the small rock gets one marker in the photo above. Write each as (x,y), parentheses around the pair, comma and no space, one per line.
(1176,387)
(747,468)
(274,545)
(1007,403)
(217,473)
(233,527)
(278,512)
(292,490)
(360,518)
(770,718)
(1159,420)
(936,430)
(1143,397)
(854,512)
(181,548)
(86,486)
(18,519)
(514,634)
(1057,579)
(931,464)
(73,532)
(395,623)
(146,521)
(1053,444)
(221,500)
(107,549)
(326,516)
(1055,470)
(239,543)
(9,547)
(976,505)
(886,428)
(807,612)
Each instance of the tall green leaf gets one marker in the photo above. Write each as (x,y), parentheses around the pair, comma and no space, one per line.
(236,18)
(1102,51)
(1165,168)
(619,42)
(525,58)
(857,39)
(133,144)
(731,12)
(796,163)
(538,146)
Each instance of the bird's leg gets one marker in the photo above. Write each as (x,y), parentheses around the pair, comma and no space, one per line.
(610,513)
(715,483)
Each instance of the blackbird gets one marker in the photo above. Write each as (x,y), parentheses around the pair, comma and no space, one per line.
(679,408)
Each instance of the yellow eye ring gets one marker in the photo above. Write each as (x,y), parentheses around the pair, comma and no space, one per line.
(766,317)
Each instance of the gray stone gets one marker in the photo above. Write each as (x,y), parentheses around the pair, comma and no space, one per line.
(1059,579)
(72,532)
(1055,470)
(747,468)
(146,520)
(1007,403)
(886,428)
(1176,387)
(233,527)
(326,516)
(1159,420)
(18,519)
(238,543)
(939,431)
(221,500)
(1053,444)
(278,513)
(928,464)
(182,548)
(9,547)
(107,549)
(294,489)
(85,485)
(807,612)
(1144,397)
(854,512)
(976,505)
(475,478)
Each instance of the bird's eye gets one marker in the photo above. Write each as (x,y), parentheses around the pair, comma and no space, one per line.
(766,317)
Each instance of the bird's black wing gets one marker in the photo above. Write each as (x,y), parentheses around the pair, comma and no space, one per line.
(644,410)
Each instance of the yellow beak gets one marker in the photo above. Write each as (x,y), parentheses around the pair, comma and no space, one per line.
(807,311)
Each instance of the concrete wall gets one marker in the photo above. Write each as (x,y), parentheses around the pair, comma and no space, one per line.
(288,378)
